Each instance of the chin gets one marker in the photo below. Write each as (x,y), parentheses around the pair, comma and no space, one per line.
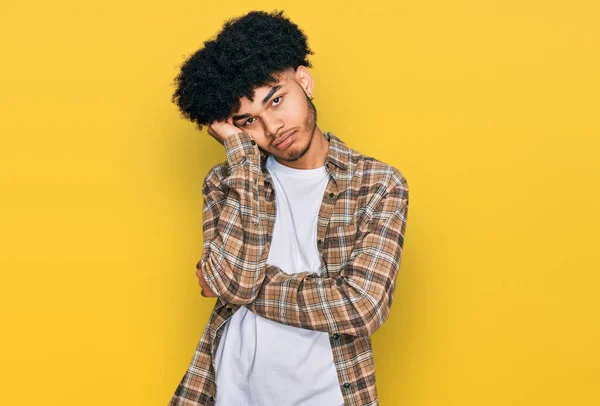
(294,152)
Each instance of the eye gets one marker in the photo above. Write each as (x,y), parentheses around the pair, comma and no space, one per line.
(247,122)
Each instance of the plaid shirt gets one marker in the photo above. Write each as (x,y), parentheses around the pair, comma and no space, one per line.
(360,237)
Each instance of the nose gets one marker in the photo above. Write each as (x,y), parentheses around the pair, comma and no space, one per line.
(272,126)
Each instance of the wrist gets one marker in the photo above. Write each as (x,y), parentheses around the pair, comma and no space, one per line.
(239,145)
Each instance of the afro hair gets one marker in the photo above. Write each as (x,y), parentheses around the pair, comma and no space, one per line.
(245,55)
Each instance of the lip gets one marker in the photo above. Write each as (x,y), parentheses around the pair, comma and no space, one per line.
(283,138)
(285,143)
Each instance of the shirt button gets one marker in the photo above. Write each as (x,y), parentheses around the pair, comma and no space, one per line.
(336,336)
(253,142)
(229,309)
(346,385)
(212,399)
(319,242)
(330,194)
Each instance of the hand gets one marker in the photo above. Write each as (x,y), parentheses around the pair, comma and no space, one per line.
(206,290)
(220,130)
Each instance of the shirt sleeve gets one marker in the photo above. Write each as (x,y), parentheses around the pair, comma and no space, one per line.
(357,300)
(232,246)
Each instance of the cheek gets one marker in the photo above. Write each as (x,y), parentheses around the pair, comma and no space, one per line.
(293,112)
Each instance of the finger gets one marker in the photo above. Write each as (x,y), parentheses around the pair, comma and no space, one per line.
(208,292)
(201,280)
(203,284)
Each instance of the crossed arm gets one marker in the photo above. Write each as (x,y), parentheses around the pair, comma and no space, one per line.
(356,301)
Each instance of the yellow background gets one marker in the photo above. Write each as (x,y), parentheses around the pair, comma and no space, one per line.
(489,108)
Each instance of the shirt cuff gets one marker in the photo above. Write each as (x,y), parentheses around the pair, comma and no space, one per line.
(238,146)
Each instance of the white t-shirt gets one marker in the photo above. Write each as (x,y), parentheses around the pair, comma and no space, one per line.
(260,362)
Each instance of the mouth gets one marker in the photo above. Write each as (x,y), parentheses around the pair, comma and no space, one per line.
(285,140)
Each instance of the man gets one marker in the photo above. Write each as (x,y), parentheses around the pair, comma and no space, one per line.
(302,235)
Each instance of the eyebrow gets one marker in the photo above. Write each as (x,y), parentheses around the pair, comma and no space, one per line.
(264,101)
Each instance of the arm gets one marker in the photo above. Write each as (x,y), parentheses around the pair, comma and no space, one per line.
(231,249)
(357,300)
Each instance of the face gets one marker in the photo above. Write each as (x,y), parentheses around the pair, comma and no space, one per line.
(277,110)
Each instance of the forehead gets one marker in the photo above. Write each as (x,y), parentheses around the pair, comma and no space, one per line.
(284,79)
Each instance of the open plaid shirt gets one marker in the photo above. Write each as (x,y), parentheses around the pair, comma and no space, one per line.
(360,237)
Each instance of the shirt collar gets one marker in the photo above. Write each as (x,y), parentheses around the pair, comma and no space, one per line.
(338,151)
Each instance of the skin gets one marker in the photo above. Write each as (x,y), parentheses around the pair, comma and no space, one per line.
(289,108)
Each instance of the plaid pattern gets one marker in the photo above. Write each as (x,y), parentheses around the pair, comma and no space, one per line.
(360,237)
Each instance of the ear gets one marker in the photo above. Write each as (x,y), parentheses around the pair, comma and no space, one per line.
(305,80)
